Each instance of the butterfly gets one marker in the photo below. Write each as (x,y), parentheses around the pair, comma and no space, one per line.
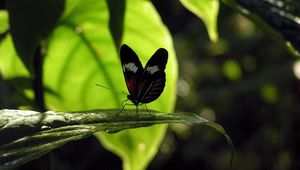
(144,84)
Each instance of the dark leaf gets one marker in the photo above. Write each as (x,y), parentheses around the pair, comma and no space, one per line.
(116,19)
(282,15)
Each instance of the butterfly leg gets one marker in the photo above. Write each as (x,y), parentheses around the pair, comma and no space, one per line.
(123,106)
(137,109)
(147,110)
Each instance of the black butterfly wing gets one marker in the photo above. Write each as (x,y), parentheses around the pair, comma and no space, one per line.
(153,79)
(132,69)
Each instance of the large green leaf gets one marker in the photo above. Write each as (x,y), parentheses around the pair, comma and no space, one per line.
(208,11)
(13,70)
(10,65)
(82,52)
(31,21)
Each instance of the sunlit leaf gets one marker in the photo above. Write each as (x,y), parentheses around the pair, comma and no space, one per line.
(82,52)
(208,11)
(13,70)
(10,65)
(3,21)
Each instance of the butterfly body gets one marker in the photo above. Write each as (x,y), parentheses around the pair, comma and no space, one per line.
(144,84)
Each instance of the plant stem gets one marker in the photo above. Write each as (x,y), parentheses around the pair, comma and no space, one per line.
(39,102)
(37,83)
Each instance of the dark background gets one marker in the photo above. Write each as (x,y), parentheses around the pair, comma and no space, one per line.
(257,103)
(245,82)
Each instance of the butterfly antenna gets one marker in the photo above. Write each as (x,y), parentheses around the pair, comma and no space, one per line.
(122,92)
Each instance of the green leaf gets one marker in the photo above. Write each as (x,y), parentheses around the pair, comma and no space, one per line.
(10,65)
(15,73)
(82,52)
(208,11)
(4,21)
(27,135)
(31,21)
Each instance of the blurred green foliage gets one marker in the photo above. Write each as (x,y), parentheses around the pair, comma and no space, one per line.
(246,82)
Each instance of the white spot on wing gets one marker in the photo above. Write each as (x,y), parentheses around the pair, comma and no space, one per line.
(152,69)
(130,67)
